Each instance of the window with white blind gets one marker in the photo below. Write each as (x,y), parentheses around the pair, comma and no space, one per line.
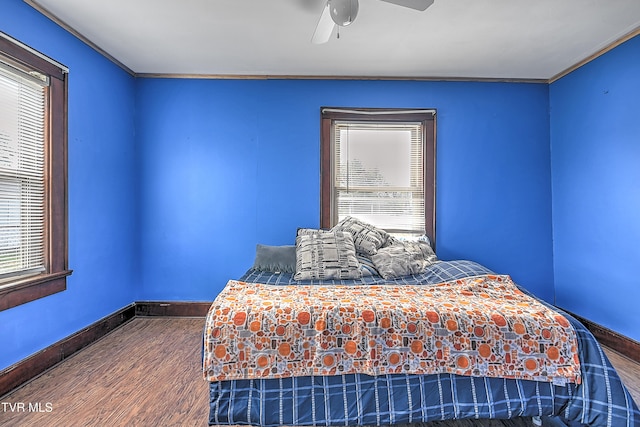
(22,172)
(379,166)
(33,171)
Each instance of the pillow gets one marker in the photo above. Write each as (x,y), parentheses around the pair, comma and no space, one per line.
(326,255)
(403,259)
(308,231)
(276,259)
(366,266)
(366,237)
(395,239)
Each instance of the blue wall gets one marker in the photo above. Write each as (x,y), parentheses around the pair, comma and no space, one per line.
(103,247)
(172,182)
(228,164)
(595,145)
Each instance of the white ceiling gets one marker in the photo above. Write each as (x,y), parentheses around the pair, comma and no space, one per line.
(503,39)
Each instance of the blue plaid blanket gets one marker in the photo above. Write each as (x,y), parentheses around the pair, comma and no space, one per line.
(356,399)
(441,271)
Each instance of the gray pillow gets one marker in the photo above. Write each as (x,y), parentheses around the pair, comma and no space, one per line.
(403,258)
(326,255)
(308,231)
(423,238)
(276,259)
(366,237)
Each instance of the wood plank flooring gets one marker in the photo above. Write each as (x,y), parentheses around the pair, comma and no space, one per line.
(628,370)
(148,373)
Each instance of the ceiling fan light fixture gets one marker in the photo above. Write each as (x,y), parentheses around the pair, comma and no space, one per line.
(343,12)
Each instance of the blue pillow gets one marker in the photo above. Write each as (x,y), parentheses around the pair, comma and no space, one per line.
(366,266)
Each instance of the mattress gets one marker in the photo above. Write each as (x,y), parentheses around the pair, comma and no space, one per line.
(590,394)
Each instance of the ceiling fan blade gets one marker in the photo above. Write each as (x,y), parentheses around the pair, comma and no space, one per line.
(413,4)
(324,28)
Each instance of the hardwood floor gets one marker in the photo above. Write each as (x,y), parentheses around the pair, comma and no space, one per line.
(628,370)
(148,373)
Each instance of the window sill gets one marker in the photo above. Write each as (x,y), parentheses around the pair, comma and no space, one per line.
(32,288)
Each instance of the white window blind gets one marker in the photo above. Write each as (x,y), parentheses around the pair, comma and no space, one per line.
(379,174)
(22,172)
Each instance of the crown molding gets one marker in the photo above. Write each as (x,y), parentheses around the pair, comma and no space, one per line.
(596,55)
(46,12)
(330,77)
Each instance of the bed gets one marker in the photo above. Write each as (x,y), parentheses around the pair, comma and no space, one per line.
(406,339)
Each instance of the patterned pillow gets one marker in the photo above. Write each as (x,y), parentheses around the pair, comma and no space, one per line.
(366,265)
(403,259)
(366,237)
(395,239)
(326,255)
(308,231)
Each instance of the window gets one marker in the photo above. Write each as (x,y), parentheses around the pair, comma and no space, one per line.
(379,166)
(33,163)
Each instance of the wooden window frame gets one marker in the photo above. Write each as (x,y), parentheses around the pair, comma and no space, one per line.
(29,288)
(330,114)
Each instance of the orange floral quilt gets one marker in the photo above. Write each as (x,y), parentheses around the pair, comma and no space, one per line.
(479,326)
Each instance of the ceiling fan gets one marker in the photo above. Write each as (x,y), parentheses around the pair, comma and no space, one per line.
(344,12)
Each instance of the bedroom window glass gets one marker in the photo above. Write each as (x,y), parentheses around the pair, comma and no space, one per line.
(33,235)
(22,133)
(379,167)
